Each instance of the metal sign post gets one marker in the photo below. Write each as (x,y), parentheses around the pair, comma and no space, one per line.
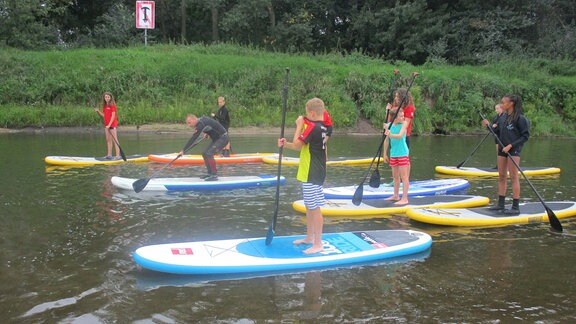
(145,12)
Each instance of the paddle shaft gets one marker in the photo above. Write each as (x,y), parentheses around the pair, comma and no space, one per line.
(473,151)
(552,219)
(119,147)
(272,228)
(281,148)
(390,100)
(140,184)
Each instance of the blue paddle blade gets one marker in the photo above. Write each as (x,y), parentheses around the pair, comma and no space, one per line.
(374,179)
(269,235)
(357,198)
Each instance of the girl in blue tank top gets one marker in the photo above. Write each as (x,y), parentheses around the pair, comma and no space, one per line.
(399,156)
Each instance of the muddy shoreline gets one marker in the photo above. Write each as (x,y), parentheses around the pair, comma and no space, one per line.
(174,129)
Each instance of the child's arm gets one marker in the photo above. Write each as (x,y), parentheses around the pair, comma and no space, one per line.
(401,133)
(385,150)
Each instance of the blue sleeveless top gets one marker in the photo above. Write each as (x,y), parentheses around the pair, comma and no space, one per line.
(398,146)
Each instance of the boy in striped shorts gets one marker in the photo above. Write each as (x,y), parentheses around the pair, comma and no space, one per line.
(310,139)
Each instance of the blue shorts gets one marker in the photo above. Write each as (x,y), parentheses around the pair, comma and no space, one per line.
(313,195)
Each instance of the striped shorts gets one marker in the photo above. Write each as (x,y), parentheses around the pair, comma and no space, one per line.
(399,161)
(313,195)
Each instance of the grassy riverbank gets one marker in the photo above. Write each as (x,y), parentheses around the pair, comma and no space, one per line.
(161,84)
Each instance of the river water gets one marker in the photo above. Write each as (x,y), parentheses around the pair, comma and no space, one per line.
(67,234)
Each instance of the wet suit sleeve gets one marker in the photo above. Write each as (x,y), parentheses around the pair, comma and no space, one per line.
(523,131)
(194,137)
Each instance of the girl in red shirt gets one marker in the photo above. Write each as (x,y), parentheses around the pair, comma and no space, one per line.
(110,115)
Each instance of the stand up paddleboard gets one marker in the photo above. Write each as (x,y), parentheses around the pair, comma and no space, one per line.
(417,188)
(252,255)
(293,161)
(198,159)
(82,161)
(150,280)
(532,212)
(492,172)
(197,184)
(345,207)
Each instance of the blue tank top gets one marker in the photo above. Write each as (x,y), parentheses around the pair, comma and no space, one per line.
(398,146)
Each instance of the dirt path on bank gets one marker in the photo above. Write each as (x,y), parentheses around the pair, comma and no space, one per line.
(362,128)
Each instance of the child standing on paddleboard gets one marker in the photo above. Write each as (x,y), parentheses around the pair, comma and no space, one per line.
(399,156)
(408,109)
(110,114)
(513,130)
(310,139)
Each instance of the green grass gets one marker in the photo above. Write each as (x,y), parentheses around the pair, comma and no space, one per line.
(161,84)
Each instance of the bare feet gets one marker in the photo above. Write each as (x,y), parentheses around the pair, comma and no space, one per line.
(401,202)
(302,241)
(393,198)
(313,249)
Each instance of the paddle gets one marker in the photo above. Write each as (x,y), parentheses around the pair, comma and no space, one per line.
(120,147)
(375,177)
(272,228)
(357,197)
(552,219)
(140,184)
(473,151)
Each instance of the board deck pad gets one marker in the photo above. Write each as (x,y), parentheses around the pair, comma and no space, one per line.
(197,184)
(417,188)
(253,255)
(493,172)
(81,161)
(531,212)
(345,207)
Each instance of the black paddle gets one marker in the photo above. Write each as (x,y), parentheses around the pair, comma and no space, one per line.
(272,228)
(375,177)
(120,147)
(473,151)
(552,219)
(140,184)
(357,197)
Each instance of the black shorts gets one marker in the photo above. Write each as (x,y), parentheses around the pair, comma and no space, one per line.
(512,152)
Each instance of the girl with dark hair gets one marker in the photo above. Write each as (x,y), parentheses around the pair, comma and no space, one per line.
(513,130)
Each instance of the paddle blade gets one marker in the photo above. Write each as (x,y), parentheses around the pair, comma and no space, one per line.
(140,184)
(374,179)
(269,235)
(357,198)
(460,164)
(122,154)
(554,221)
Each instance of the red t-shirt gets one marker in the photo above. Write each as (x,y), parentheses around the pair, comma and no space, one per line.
(409,113)
(108,110)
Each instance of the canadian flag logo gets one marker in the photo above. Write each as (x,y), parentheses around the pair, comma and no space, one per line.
(182,251)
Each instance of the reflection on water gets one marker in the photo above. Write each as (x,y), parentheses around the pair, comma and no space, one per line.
(68,235)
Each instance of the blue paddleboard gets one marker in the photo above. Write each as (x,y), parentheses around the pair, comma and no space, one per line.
(197,184)
(417,188)
(252,255)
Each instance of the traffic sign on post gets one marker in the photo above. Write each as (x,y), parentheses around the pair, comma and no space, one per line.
(145,14)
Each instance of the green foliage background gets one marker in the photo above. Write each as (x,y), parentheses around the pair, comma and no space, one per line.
(161,84)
